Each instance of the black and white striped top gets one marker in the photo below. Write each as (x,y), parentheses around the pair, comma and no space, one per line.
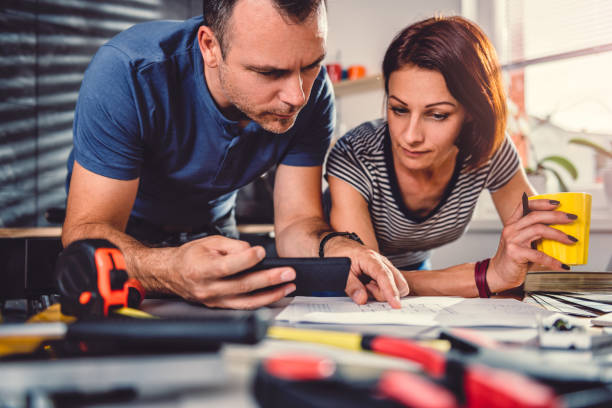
(363,159)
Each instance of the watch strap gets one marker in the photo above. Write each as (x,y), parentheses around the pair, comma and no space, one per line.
(349,235)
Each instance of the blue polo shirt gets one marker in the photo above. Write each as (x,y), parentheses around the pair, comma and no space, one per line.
(144,110)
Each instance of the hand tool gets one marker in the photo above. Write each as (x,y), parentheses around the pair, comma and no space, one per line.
(92,280)
(425,353)
(116,335)
(306,380)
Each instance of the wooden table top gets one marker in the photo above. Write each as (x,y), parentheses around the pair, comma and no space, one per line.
(36,232)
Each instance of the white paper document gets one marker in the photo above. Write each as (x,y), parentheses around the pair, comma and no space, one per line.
(555,305)
(420,311)
(603,320)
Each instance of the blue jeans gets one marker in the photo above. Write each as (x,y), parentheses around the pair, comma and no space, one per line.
(168,236)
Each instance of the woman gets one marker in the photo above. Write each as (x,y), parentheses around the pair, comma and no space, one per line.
(410,183)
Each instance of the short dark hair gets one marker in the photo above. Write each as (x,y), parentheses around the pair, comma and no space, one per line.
(462,53)
(217,14)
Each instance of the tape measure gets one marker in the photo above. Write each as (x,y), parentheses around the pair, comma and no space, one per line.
(92,280)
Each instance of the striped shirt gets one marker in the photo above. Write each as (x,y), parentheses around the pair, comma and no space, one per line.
(363,159)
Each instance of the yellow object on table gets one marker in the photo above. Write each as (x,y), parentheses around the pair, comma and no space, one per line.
(29,343)
(27,337)
(572,203)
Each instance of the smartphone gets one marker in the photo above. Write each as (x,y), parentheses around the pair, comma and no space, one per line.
(314,276)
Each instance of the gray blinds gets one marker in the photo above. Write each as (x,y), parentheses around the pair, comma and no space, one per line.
(45,46)
(543,30)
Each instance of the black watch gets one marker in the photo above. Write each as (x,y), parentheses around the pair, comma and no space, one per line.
(349,235)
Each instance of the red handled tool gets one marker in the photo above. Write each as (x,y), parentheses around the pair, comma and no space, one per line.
(311,381)
(476,372)
(486,387)
(432,361)
(302,380)
(92,279)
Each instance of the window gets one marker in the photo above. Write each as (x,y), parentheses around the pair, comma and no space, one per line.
(557,56)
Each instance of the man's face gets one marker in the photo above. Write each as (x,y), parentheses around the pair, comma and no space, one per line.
(270,63)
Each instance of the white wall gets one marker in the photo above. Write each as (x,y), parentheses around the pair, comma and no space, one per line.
(361,29)
(359,33)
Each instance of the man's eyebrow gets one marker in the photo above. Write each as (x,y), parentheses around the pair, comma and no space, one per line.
(271,68)
(316,62)
(427,106)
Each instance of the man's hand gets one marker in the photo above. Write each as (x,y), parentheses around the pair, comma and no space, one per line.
(382,280)
(298,220)
(203,271)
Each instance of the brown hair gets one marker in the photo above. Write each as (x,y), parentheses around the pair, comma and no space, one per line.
(462,53)
(217,14)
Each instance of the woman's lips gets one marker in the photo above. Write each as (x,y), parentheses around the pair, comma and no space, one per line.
(414,153)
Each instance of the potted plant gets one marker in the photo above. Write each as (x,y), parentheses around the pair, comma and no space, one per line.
(537,175)
(598,148)
(518,124)
(606,172)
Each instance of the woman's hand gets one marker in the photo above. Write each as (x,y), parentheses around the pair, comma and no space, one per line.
(514,255)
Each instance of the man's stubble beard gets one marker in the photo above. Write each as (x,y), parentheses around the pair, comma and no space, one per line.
(246,110)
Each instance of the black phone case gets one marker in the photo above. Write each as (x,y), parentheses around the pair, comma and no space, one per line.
(314,276)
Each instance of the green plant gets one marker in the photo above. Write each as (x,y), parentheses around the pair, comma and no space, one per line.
(598,148)
(519,123)
(562,162)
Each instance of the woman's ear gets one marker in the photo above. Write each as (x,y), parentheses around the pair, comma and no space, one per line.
(209,47)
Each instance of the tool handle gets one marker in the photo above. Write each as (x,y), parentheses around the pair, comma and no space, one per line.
(492,388)
(432,361)
(246,328)
(413,390)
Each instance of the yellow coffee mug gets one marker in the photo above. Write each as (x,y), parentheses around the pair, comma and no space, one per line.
(572,203)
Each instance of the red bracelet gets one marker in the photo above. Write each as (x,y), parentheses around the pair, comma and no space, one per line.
(480,275)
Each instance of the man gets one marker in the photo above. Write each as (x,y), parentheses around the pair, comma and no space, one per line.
(173,117)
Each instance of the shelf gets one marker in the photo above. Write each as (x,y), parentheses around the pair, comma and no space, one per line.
(368,83)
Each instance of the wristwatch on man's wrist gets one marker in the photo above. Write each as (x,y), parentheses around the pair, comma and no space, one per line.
(349,235)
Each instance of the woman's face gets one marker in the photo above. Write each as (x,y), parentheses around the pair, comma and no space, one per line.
(424,118)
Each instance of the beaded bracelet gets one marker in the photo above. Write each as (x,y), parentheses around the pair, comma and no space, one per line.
(480,275)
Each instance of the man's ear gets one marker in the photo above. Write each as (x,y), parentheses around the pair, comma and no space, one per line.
(209,46)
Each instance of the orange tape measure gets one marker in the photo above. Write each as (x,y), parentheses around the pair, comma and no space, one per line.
(92,279)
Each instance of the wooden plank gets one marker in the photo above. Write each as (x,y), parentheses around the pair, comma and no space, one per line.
(57,231)
(30,232)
